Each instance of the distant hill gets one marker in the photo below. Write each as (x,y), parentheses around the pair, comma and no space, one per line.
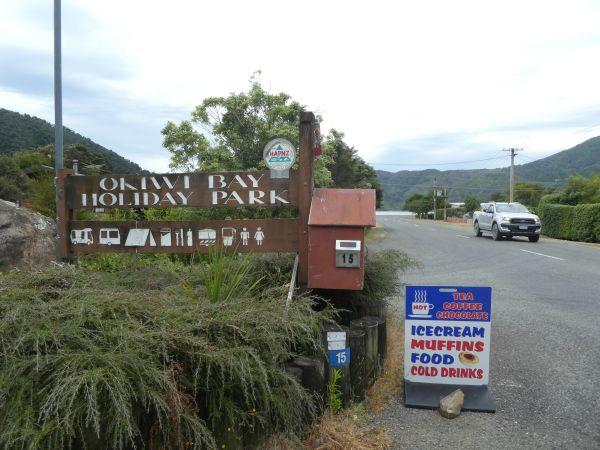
(21,131)
(583,159)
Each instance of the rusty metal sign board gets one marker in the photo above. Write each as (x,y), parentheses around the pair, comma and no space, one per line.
(251,189)
(239,236)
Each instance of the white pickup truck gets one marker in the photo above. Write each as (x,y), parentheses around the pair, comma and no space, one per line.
(507,220)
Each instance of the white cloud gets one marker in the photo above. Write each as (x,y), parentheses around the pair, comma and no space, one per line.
(389,74)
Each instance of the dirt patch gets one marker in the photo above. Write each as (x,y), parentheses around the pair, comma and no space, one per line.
(376,234)
(347,430)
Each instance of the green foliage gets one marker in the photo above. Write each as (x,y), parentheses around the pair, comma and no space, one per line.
(347,169)
(21,131)
(581,190)
(586,223)
(529,194)
(578,190)
(553,198)
(419,204)
(578,223)
(36,168)
(241,124)
(41,161)
(499,196)
(334,391)
(13,182)
(41,195)
(471,204)
(226,277)
(190,150)
(128,358)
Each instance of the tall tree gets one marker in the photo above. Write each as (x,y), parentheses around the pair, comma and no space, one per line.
(529,194)
(232,131)
(471,204)
(229,133)
(13,182)
(579,190)
(419,204)
(348,170)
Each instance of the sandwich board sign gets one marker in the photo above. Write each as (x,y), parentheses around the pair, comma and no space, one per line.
(447,345)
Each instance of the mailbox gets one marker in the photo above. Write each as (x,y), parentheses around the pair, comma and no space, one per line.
(336,237)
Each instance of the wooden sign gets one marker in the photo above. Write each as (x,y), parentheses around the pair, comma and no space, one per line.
(239,236)
(220,189)
(181,189)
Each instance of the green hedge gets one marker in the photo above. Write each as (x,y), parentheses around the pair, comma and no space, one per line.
(575,223)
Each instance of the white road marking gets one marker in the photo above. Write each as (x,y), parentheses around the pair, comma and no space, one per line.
(415,225)
(541,254)
(460,235)
(432,229)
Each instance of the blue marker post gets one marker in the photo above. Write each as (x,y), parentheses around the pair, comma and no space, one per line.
(338,353)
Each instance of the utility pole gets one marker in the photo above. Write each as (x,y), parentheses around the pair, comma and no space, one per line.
(435,196)
(513,151)
(445,201)
(58,126)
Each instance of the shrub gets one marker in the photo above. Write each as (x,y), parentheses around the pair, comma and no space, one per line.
(579,223)
(138,357)
(586,223)
(381,285)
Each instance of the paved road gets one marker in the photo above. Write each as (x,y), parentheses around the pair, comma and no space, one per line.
(545,358)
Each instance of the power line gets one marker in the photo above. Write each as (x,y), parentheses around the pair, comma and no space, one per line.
(435,164)
(409,185)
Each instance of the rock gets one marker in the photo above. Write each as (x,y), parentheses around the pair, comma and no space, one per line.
(27,239)
(451,404)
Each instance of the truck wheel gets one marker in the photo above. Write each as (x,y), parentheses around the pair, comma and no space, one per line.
(495,232)
(534,238)
(478,232)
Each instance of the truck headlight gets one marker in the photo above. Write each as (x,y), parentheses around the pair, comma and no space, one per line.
(537,219)
(506,219)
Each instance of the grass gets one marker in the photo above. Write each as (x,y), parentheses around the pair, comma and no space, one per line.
(138,355)
(347,430)
(390,383)
(334,392)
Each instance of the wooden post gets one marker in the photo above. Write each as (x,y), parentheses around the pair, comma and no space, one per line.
(358,363)
(305,188)
(369,325)
(63,215)
(372,330)
(381,336)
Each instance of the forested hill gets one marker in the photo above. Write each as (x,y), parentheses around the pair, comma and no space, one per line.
(21,131)
(584,159)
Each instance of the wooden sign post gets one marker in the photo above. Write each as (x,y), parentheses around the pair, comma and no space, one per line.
(214,190)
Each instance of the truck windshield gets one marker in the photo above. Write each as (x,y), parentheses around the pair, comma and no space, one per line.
(511,208)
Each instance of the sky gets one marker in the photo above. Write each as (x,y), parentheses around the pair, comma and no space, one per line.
(413,85)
